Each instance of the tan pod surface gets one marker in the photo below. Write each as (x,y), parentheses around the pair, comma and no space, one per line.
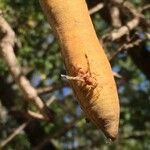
(84,58)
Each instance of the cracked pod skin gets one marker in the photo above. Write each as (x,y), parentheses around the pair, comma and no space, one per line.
(86,62)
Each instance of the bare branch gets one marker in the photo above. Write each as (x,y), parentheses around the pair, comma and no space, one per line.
(145,7)
(125,47)
(115,16)
(13,135)
(132,24)
(48,89)
(50,100)
(117,75)
(116,34)
(129,6)
(96,8)
(59,133)
(39,116)
(35,115)
(6,51)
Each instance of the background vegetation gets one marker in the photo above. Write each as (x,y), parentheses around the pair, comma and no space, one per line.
(38,52)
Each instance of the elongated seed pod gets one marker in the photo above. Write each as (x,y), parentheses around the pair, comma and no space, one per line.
(88,69)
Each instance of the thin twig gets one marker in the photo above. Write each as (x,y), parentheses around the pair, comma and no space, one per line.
(13,135)
(116,34)
(128,5)
(145,8)
(96,8)
(35,115)
(50,100)
(49,89)
(59,133)
(115,16)
(132,24)
(125,47)
(117,75)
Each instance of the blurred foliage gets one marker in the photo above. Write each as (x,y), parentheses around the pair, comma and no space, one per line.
(37,50)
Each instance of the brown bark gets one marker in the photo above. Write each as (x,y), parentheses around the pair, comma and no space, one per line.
(6,51)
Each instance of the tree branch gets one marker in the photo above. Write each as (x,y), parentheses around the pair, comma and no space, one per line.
(96,8)
(138,17)
(7,36)
(59,133)
(49,89)
(116,34)
(125,47)
(115,16)
(13,135)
